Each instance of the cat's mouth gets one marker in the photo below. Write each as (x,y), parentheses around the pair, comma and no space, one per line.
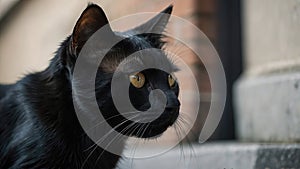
(136,125)
(160,125)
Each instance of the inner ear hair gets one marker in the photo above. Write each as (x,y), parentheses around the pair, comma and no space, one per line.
(92,19)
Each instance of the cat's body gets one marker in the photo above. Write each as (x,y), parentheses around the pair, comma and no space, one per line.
(38,124)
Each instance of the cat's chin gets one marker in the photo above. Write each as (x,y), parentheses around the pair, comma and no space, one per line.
(154,137)
(154,131)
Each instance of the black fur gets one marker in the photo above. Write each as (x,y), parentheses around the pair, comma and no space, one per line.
(39,128)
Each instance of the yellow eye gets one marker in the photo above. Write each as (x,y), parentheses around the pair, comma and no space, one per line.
(137,80)
(171,81)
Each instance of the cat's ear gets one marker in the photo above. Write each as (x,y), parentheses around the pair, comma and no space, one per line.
(92,19)
(157,25)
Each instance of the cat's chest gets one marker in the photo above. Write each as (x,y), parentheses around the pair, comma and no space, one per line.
(76,154)
(36,148)
(58,155)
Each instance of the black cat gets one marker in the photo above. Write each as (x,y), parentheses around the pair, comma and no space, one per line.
(38,124)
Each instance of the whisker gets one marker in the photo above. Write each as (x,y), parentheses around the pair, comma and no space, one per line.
(133,151)
(110,118)
(138,140)
(115,137)
(95,145)
(182,121)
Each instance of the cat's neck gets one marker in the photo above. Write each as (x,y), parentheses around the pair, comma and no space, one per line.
(49,93)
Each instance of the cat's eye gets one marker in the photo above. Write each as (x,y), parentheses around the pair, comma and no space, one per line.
(171,80)
(137,80)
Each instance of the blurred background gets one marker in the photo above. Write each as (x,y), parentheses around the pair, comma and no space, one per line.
(258,43)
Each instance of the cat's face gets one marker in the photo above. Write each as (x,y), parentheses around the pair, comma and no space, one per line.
(156,79)
(141,83)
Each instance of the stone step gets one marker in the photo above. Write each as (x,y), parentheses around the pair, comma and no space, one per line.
(222,155)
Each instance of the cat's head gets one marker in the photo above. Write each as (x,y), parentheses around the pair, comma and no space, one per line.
(141,83)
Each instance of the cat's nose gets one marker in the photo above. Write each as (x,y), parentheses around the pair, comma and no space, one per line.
(172,108)
(172,111)
(172,101)
(172,104)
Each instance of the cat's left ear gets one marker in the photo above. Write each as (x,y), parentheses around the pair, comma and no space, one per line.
(92,19)
(156,25)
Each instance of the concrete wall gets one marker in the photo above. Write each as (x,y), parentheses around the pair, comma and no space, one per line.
(268,95)
(271,34)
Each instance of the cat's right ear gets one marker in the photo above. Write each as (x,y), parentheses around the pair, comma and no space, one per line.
(92,19)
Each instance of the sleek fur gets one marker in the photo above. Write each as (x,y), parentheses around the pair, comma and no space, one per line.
(39,128)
